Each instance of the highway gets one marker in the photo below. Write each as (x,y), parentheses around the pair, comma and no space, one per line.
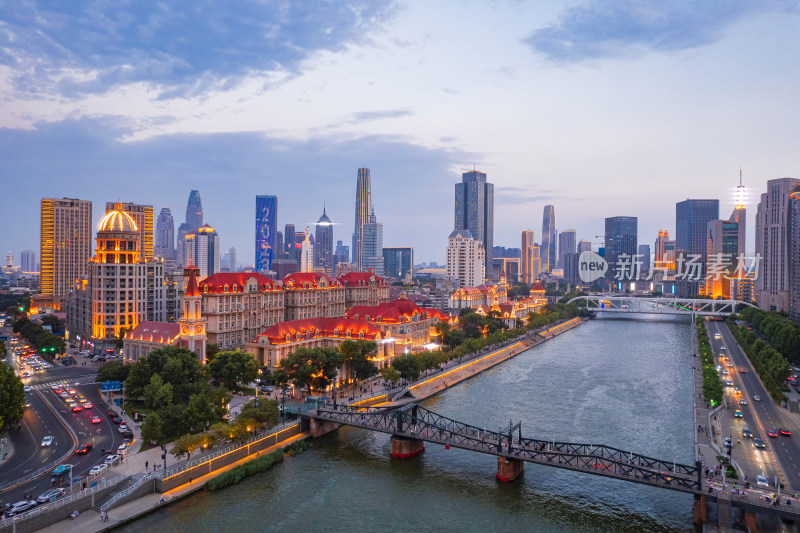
(781,457)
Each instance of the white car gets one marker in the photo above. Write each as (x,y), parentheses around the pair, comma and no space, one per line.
(47,441)
(761,480)
(122,428)
(122,448)
(98,469)
(111,460)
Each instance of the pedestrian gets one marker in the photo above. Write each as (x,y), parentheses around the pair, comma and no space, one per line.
(102,516)
(147,464)
(190,480)
(105,516)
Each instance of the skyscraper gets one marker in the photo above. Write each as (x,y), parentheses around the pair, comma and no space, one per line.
(372,251)
(342,254)
(398,262)
(794,253)
(306,254)
(28,262)
(620,238)
(143,215)
(548,248)
(474,210)
(266,229)
(323,244)
(165,235)
(691,222)
(526,258)
(661,246)
(180,243)
(194,211)
(644,252)
(566,245)
(773,283)
(233,264)
(66,246)
(290,244)
(206,251)
(363,211)
(584,246)
(465,259)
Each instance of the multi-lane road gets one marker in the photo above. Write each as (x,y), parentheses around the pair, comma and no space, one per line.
(781,458)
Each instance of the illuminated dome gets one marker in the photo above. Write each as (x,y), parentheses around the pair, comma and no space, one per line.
(118,220)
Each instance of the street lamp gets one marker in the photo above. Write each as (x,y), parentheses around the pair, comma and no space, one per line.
(334,389)
(355,377)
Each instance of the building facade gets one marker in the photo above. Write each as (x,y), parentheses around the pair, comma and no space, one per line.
(165,235)
(312,295)
(372,251)
(206,251)
(474,211)
(364,288)
(143,216)
(266,230)
(567,244)
(323,244)
(548,247)
(398,262)
(773,283)
(363,211)
(528,270)
(621,234)
(471,297)
(465,259)
(28,263)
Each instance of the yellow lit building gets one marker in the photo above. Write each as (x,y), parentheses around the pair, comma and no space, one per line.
(143,216)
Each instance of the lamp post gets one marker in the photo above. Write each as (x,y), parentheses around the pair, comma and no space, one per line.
(355,377)
(283,401)
(334,389)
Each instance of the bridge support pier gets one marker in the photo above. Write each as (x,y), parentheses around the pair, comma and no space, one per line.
(750,522)
(700,509)
(322,427)
(509,469)
(406,448)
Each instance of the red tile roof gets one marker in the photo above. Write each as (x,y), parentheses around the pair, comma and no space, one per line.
(319,327)
(538,287)
(312,280)
(355,279)
(161,332)
(216,283)
(394,311)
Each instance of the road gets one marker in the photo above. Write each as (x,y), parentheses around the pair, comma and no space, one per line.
(781,458)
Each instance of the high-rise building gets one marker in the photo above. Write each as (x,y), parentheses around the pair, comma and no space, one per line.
(465,259)
(194,211)
(571,273)
(341,254)
(66,246)
(233,261)
(323,244)
(474,210)
(691,222)
(363,212)
(398,262)
(794,254)
(28,262)
(266,230)
(526,258)
(661,246)
(280,248)
(290,244)
(372,250)
(644,253)
(722,249)
(143,216)
(584,246)
(773,283)
(306,254)
(566,245)
(620,238)
(165,235)
(206,251)
(548,247)
(180,243)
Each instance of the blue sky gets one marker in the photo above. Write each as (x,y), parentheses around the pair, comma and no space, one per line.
(600,108)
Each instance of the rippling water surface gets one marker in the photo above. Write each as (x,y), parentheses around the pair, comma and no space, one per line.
(625,383)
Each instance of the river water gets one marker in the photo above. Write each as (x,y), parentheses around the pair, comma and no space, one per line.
(621,382)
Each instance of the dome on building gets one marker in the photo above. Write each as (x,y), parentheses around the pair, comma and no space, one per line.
(118,220)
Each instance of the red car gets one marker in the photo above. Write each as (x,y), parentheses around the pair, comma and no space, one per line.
(83,449)
(785,432)
(772,433)
(743,370)
(96,420)
(77,409)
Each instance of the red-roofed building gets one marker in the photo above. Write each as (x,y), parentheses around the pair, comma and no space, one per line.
(312,295)
(411,326)
(471,297)
(240,305)
(364,288)
(278,341)
(513,310)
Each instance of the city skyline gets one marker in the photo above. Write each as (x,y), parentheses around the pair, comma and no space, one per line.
(149,134)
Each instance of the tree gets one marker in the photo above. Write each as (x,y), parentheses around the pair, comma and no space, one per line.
(312,367)
(453,338)
(12,399)
(211,351)
(355,356)
(54,322)
(234,367)
(407,366)
(472,324)
(390,373)
(114,371)
(152,428)
(184,444)
(157,394)
(264,416)
(138,378)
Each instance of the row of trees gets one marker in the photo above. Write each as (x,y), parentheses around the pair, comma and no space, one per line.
(712,385)
(771,366)
(12,398)
(780,332)
(43,340)
(315,368)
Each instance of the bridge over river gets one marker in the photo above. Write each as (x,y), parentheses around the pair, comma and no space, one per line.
(411,425)
(659,305)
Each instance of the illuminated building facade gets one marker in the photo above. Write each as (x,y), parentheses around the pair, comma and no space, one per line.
(323,244)
(363,211)
(465,259)
(238,306)
(266,232)
(364,288)
(306,254)
(206,248)
(312,295)
(474,212)
(279,341)
(471,297)
(528,271)
(66,246)
(143,216)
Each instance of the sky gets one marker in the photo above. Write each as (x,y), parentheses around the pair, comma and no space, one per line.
(602,109)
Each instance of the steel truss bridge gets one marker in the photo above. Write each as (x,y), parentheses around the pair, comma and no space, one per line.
(416,422)
(665,306)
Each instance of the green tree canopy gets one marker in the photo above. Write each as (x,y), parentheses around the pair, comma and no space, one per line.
(114,371)
(12,399)
(407,366)
(157,394)
(233,367)
(152,428)
(313,368)
(355,355)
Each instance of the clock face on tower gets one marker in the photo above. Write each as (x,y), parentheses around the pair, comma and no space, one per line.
(198,329)
(184,330)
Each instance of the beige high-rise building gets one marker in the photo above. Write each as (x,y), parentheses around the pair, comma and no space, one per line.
(66,246)
(465,259)
(143,216)
(772,244)
(526,259)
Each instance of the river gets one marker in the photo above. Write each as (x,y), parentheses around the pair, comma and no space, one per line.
(621,382)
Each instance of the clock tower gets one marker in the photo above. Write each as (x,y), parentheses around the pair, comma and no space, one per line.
(192,324)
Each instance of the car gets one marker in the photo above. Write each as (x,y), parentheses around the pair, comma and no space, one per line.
(112,460)
(757,398)
(725,371)
(117,420)
(77,409)
(785,432)
(772,434)
(98,469)
(742,401)
(122,447)
(112,413)
(27,388)
(746,433)
(721,347)
(738,413)
(128,440)
(20,507)
(88,405)
(726,442)
(762,481)
(57,389)
(717,335)
(729,383)
(742,370)
(83,449)
(73,391)
(26,375)
(96,420)
(736,390)
(82,400)
(122,428)
(64,394)
(128,434)
(50,495)
(758,443)
(47,441)
(61,469)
